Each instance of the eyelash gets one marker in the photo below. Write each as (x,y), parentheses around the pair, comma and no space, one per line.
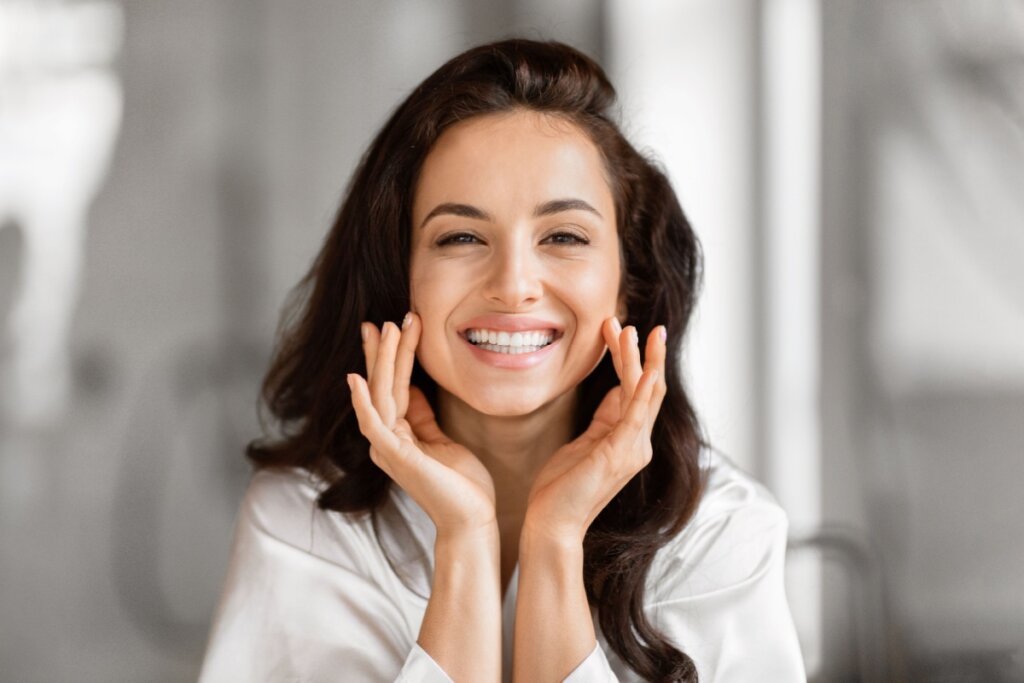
(451,239)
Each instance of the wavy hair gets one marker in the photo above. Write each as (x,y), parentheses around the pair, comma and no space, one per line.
(361,273)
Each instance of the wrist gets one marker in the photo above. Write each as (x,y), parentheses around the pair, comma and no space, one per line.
(468,559)
(541,531)
(539,539)
(475,540)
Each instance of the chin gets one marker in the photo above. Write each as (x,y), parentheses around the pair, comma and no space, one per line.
(507,406)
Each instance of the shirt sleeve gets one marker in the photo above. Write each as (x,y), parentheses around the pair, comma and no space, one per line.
(721,600)
(287,615)
(594,669)
(420,666)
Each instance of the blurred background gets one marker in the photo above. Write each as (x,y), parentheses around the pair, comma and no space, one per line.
(854,170)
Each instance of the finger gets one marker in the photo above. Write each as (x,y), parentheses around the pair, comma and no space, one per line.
(404,362)
(382,382)
(611,330)
(382,440)
(654,359)
(629,348)
(371,340)
(631,431)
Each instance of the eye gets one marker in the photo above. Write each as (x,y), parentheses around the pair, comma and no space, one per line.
(568,238)
(456,238)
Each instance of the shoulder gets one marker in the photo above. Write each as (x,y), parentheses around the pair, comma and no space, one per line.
(280,504)
(730,490)
(736,535)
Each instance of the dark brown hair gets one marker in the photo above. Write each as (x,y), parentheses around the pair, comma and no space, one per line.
(362,274)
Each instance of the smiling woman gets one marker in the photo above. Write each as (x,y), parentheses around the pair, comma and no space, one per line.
(510,485)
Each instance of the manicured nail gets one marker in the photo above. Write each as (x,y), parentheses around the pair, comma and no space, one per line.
(664,333)
(616,325)
(633,335)
(406,320)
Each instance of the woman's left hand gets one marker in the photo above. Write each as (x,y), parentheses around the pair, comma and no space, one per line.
(583,476)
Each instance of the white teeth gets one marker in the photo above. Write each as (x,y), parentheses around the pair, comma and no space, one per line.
(506,342)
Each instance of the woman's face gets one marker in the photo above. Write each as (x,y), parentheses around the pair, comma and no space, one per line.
(513,230)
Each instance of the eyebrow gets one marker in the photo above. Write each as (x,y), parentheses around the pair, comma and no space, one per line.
(546,209)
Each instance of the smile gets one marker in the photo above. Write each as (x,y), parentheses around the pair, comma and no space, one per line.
(512,343)
(511,350)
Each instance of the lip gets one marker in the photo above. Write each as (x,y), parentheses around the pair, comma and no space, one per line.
(509,323)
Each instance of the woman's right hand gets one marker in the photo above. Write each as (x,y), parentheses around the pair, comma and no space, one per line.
(443,477)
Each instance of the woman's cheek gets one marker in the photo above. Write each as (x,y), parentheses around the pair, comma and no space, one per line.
(426,348)
(594,353)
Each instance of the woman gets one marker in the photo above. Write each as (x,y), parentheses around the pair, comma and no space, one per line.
(489,495)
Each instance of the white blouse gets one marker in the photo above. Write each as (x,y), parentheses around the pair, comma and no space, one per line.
(310,595)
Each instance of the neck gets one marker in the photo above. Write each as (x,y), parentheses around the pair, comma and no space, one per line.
(513,449)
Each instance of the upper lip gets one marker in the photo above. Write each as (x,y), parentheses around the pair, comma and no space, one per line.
(508,323)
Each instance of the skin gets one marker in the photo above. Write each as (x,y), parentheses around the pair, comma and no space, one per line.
(495,469)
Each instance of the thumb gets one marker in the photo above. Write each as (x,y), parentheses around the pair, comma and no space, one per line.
(420,417)
(607,413)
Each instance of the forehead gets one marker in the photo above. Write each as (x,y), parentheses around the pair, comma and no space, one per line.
(505,159)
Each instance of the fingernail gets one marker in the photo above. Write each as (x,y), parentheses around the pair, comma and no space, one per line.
(616,325)
(385,329)
(348,378)
(406,320)
(663,333)
(633,335)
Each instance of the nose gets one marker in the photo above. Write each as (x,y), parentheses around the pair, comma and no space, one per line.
(514,279)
